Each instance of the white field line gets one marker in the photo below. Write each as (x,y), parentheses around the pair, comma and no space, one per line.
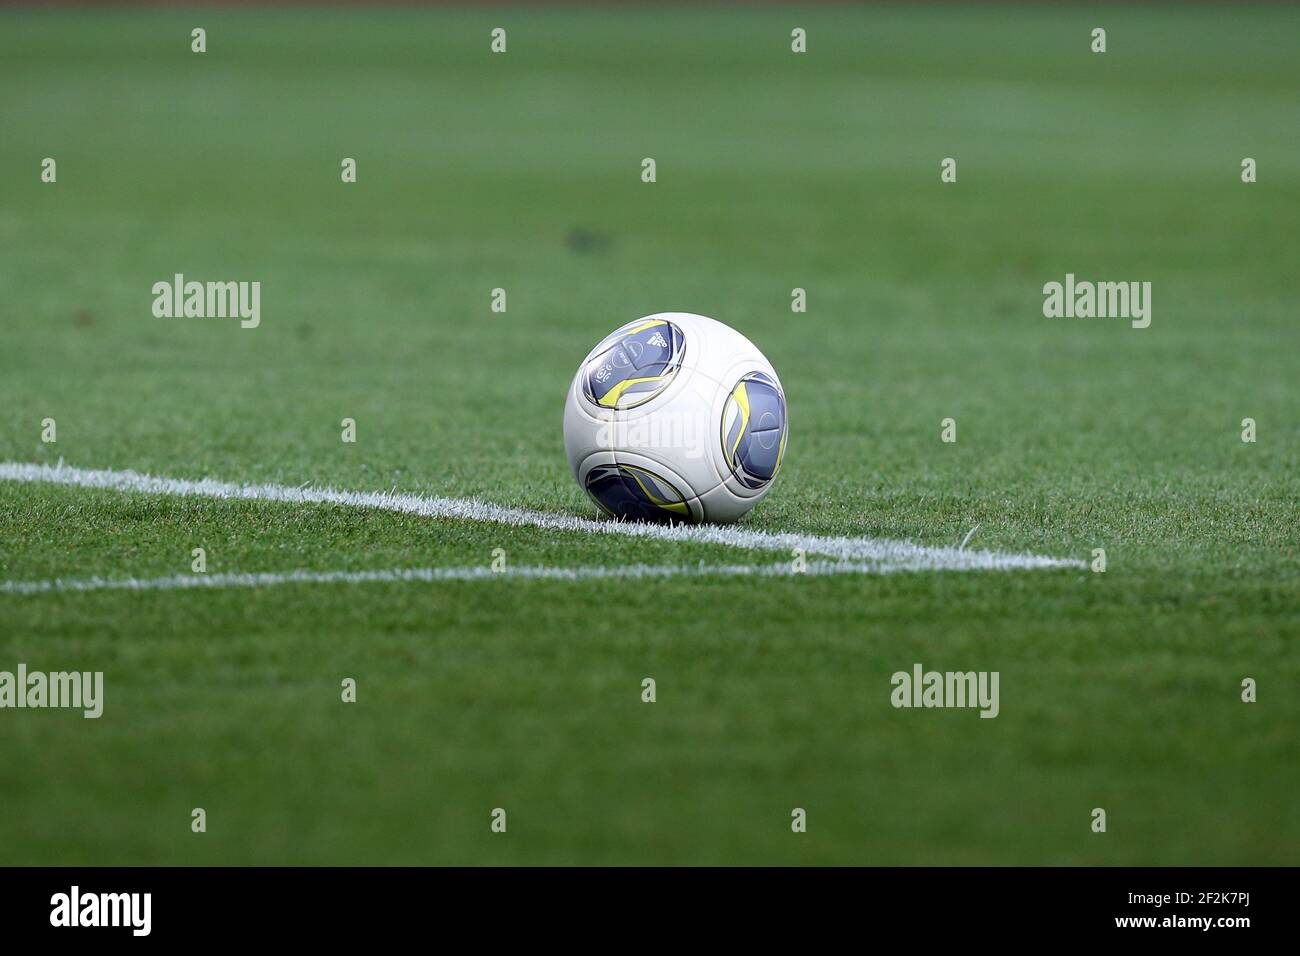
(881,554)
(186,582)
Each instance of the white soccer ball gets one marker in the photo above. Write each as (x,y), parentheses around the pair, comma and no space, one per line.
(675,417)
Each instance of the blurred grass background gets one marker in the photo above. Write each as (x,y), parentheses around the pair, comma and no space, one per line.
(775,171)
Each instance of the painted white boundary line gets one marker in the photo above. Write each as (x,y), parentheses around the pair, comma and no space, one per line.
(883,554)
(186,582)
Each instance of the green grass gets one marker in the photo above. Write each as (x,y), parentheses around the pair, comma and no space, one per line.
(775,171)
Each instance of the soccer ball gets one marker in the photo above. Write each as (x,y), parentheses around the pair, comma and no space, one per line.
(675,417)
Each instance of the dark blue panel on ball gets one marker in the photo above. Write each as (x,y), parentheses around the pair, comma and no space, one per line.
(635,494)
(636,366)
(754,440)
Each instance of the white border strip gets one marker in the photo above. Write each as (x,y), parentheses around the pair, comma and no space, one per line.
(881,552)
(186,582)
